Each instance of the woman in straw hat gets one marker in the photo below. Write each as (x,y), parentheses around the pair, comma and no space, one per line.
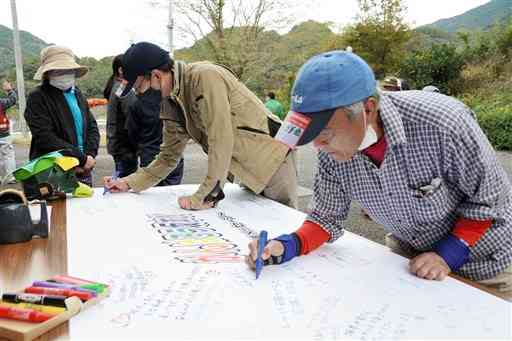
(57,112)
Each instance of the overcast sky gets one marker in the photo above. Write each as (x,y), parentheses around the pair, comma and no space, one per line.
(101,28)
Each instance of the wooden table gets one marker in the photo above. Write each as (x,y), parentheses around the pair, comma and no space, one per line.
(21,264)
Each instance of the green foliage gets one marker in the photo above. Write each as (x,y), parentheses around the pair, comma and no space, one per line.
(494,113)
(477,18)
(504,39)
(424,38)
(380,36)
(94,81)
(278,56)
(440,65)
(30,47)
(497,125)
(284,93)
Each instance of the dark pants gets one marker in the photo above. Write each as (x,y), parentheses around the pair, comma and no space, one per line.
(174,177)
(125,165)
(85,179)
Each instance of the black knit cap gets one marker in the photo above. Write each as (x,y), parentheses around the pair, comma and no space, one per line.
(140,59)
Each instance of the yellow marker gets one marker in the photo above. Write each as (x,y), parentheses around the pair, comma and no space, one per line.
(38,307)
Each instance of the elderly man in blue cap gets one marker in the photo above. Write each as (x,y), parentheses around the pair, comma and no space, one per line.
(416,161)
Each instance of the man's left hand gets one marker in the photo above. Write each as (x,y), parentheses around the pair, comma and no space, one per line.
(187,203)
(429,265)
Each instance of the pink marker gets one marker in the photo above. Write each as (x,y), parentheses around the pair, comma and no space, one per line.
(71,280)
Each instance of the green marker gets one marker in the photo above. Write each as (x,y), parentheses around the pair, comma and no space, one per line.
(97,287)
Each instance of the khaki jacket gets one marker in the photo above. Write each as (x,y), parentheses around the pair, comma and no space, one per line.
(226,119)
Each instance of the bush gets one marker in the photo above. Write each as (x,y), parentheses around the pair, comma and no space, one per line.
(494,114)
(485,76)
(440,65)
(497,125)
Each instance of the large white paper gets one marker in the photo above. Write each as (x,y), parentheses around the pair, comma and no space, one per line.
(190,281)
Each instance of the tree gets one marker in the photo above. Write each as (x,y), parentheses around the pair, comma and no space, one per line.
(232,32)
(94,81)
(503,35)
(441,65)
(380,34)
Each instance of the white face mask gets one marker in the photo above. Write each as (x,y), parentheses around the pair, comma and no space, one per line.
(63,82)
(370,137)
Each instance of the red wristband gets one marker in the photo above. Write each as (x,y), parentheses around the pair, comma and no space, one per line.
(311,236)
(471,230)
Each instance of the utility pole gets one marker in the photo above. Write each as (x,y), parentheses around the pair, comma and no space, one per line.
(170,28)
(20,82)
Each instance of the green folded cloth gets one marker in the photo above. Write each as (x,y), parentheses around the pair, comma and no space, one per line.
(36,166)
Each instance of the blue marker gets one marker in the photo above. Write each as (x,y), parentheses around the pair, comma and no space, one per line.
(262,241)
(115,174)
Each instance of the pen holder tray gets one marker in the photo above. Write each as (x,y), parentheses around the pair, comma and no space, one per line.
(25,331)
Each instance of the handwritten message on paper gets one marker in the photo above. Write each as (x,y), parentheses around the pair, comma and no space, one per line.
(352,289)
(183,299)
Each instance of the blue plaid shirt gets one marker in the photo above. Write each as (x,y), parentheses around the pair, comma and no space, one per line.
(429,136)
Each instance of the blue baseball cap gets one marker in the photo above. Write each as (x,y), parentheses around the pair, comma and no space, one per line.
(140,59)
(326,82)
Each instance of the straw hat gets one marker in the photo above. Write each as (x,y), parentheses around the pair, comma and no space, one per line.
(58,58)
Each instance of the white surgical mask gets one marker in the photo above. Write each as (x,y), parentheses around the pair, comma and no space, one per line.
(63,82)
(370,137)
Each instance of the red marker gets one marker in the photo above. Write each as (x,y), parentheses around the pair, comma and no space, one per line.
(28,315)
(83,295)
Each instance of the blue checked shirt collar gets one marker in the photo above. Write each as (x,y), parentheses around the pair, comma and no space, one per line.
(394,131)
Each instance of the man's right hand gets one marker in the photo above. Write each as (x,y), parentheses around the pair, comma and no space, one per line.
(116,186)
(6,86)
(273,248)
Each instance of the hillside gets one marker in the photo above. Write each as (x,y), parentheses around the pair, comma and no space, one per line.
(478,18)
(30,47)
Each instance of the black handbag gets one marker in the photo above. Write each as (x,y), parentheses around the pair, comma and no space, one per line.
(15,221)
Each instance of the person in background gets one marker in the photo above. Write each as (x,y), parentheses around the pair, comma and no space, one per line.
(391,84)
(417,162)
(58,115)
(7,155)
(145,130)
(118,143)
(274,105)
(206,102)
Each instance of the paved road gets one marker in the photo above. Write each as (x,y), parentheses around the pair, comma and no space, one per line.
(196,166)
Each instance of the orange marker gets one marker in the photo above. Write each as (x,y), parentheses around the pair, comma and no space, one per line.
(27,315)
(83,295)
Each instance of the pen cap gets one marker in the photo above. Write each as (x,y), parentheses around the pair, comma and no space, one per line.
(262,241)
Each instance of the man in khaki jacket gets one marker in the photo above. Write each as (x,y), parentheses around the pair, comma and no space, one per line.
(206,102)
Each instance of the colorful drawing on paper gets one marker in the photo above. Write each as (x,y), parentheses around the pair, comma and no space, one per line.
(193,240)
